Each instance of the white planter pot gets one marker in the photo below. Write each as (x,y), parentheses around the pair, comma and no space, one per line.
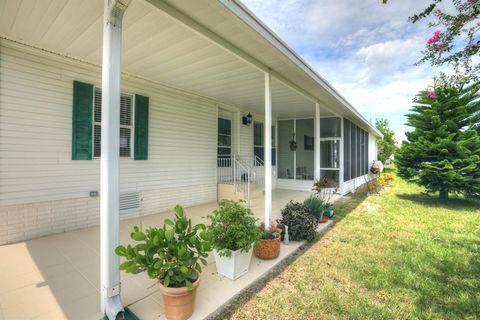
(235,266)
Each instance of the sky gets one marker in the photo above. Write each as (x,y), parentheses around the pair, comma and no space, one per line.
(365,49)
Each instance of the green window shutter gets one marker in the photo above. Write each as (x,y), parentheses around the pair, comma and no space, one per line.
(82,121)
(141,128)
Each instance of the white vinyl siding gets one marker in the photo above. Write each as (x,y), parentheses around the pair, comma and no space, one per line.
(35,135)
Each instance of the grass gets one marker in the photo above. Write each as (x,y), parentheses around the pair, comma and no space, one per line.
(400,255)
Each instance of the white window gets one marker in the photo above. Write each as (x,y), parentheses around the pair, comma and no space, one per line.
(224,148)
(258,146)
(126,124)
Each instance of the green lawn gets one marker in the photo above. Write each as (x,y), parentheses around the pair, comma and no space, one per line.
(400,255)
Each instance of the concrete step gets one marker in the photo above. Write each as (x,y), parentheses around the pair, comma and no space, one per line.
(226,191)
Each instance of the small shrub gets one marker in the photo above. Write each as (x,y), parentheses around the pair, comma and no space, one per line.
(233,227)
(315,205)
(374,185)
(301,223)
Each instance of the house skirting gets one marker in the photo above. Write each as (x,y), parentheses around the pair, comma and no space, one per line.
(32,220)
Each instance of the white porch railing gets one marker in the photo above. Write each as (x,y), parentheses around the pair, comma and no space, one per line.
(259,165)
(233,170)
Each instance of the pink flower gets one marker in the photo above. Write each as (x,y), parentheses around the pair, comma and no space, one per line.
(431,93)
(435,37)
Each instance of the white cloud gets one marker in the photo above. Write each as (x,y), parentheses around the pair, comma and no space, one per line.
(385,58)
(365,49)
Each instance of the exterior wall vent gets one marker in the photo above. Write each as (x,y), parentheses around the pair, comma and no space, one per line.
(129,202)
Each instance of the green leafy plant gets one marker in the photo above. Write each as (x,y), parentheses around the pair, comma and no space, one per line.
(315,205)
(301,223)
(271,233)
(233,227)
(268,235)
(172,254)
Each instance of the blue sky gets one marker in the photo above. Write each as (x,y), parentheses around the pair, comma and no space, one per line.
(365,49)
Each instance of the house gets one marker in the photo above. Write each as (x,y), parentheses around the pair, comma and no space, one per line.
(208,95)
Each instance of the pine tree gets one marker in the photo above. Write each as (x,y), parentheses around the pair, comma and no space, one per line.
(443,151)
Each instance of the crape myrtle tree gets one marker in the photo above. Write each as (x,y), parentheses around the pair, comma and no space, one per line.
(456,38)
(387,145)
(443,151)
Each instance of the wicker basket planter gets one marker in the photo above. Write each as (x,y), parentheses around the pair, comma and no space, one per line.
(268,249)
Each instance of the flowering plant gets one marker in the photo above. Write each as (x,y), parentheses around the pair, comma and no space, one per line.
(324,189)
(386,179)
(377,167)
(324,183)
(435,37)
(455,41)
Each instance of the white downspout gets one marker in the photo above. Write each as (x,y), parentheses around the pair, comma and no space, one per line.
(341,156)
(111,304)
(268,150)
(317,141)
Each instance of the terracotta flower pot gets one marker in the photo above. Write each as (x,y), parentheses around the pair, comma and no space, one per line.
(268,248)
(179,302)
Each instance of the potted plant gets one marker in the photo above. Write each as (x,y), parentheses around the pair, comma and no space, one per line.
(376,167)
(173,255)
(233,233)
(269,245)
(328,211)
(324,190)
(293,143)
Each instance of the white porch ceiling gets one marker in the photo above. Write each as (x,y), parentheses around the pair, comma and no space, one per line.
(159,48)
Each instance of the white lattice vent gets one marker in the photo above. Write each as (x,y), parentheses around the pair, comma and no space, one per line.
(129,201)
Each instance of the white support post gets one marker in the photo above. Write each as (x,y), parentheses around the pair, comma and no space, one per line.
(268,150)
(317,141)
(111,304)
(342,162)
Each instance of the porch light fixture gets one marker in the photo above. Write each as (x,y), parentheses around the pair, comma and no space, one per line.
(247,119)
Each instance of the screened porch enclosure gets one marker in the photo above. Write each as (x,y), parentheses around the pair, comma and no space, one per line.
(296,149)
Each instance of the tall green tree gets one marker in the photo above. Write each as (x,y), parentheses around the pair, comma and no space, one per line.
(387,145)
(443,151)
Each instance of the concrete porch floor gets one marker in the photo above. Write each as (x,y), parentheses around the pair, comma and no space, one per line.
(58,276)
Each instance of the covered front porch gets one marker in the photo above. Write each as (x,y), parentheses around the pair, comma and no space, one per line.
(58,277)
(176,65)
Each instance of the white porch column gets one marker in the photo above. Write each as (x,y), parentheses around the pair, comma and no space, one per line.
(317,141)
(111,304)
(342,163)
(268,150)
